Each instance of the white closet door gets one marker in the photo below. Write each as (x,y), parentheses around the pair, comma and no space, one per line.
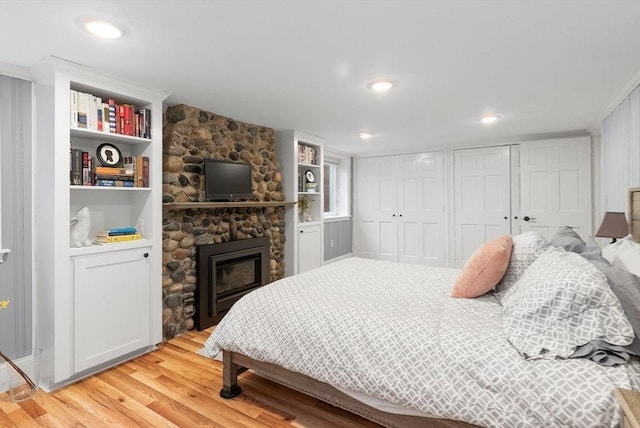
(376,225)
(482,198)
(421,214)
(556,186)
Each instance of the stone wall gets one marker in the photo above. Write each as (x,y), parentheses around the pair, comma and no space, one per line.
(190,136)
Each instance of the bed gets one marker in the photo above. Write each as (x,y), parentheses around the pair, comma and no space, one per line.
(386,341)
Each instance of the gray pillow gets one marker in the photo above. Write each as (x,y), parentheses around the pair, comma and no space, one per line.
(562,302)
(626,287)
(568,239)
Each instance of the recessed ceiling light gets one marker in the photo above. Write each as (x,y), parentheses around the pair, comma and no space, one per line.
(382,85)
(489,119)
(102,29)
(365,135)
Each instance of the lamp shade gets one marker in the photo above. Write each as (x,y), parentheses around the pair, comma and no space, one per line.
(614,225)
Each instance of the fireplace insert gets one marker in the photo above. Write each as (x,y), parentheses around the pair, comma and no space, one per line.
(226,272)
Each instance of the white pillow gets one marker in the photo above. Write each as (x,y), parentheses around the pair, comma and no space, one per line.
(609,252)
(628,256)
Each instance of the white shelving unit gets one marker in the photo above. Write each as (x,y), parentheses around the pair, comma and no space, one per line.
(102,304)
(304,247)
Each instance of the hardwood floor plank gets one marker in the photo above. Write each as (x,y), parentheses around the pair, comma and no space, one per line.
(173,387)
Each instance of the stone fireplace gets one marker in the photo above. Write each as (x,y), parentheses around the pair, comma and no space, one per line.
(191,135)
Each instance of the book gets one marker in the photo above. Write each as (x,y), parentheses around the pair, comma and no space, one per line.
(112,115)
(118,232)
(123,177)
(121,230)
(73,95)
(86,170)
(114,183)
(145,171)
(76,167)
(137,171)
(83,108)
(113,170)
(117,238)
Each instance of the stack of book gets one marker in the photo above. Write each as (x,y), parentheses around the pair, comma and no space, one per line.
(115,177)
(84,171)
(117,234)
(311,187)
(307,155)
(89,111)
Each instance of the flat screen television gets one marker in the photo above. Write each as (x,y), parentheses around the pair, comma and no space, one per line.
(227,180)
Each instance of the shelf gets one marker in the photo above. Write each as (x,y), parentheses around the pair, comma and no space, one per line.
(103,188)
(309,165)
(240,204)
(91,134)
(116,246)
(309,223)
(308,193)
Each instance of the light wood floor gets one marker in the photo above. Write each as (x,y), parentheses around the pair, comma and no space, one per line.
(172,386)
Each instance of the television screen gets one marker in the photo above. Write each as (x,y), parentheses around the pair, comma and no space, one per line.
(226,180)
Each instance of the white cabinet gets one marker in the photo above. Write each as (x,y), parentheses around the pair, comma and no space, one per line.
(309,247)
(301,162)
(400,208)
(111,306)
(65,324)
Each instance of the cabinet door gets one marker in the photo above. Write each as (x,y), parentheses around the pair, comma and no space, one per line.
(309,248)
(111,306)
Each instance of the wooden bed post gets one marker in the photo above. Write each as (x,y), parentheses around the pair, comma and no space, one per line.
(230,388)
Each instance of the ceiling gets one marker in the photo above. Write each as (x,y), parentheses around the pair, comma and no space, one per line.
(545,67)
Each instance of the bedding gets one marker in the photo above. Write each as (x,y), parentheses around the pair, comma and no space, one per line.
(562,302)
(391,331)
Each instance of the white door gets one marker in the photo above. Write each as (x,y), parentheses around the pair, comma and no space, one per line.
(421,214)
(556,186)
(309,248)
(400,208)
(376,226)
(482,198)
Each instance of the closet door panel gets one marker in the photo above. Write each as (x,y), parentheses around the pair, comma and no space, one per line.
(482,198)
(556,186)
(421,214)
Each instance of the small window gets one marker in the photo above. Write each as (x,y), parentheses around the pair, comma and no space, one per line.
(336,186)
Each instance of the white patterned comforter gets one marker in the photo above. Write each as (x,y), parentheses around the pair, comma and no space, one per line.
(391,331)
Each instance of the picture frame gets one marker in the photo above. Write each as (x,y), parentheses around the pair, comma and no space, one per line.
(109,155)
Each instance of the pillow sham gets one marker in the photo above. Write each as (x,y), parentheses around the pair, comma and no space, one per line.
(526,248)
(484,269)
(628,257)
(568,239)
(562,302)
(610,251)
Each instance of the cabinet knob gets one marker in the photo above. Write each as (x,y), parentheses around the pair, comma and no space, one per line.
(146,254)
(400,215)
(394,215)
(302,231)
(506,218)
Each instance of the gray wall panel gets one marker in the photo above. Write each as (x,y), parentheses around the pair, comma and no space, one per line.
(340,234)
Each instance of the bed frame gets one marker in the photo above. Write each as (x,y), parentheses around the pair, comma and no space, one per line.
(235,363)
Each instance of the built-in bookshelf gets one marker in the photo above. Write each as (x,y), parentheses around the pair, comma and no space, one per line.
(301,159)
(99,142)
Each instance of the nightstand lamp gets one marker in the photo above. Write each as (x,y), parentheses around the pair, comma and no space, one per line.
(614,225)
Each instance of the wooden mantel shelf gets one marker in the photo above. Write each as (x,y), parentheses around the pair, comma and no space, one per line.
(239,204)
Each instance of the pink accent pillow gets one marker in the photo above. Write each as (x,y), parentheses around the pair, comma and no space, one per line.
(484,269)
